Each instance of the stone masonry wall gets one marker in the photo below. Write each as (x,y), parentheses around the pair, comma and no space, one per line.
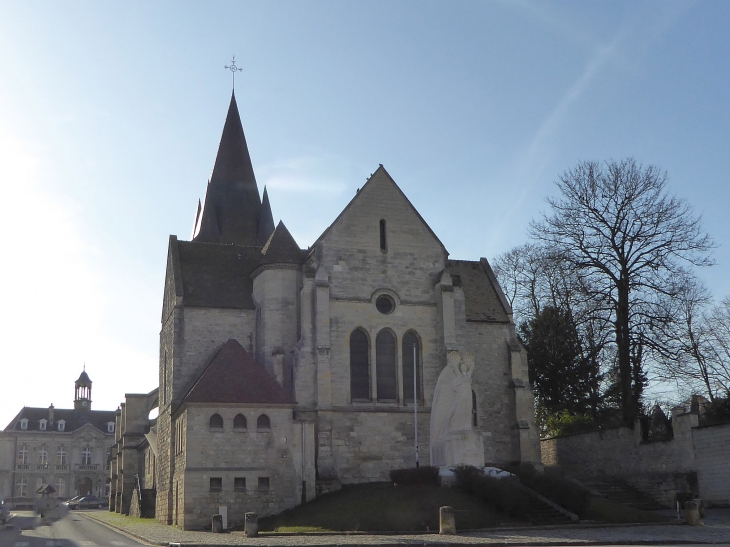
(203,331)
(366,446)
(351,249)
(712,458)
(250,453)
(492,383)
(659,469)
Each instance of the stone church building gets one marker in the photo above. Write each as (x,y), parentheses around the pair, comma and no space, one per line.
(286,372)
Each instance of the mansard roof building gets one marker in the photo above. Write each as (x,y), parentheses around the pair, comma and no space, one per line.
(287,372)
(65,448)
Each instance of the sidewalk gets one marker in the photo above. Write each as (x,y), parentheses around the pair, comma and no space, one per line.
(716,530)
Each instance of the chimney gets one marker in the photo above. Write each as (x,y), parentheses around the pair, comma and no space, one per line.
(50,414)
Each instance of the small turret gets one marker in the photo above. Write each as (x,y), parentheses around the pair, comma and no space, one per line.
(82,397)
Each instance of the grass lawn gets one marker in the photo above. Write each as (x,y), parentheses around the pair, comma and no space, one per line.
(381,507)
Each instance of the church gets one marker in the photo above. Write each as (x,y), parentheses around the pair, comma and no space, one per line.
(287,372)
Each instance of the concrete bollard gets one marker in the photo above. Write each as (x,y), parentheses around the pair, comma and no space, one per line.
(217,527)
(692,513)
(447,522)
(252,525)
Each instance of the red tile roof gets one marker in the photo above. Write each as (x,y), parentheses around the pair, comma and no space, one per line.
(234,376)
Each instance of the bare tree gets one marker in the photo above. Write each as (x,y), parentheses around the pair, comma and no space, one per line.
(718,325)
(615,223)
(554,310)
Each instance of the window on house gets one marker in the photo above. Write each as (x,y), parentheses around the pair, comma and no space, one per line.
(383,237)
(61,456)
(61,425)
(216,484)
(21,488)
(42,425)
(359,365)
(43,457)
(86,454)
(39,482)
(263,483)
(61,488)
(24,423)
(216,421)
(239,422)
(110,427)
(385,365)
(239,484)
(23,455)
(263,422)
(411,341)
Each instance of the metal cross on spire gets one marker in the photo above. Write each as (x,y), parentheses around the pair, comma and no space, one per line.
(233,68)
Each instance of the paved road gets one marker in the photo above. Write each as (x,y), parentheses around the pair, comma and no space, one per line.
(71,531)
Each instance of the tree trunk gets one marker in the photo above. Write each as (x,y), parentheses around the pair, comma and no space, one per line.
(623,345)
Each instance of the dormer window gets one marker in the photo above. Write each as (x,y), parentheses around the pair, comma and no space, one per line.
(42,425)
(62,425)
(24,423)
(110,427)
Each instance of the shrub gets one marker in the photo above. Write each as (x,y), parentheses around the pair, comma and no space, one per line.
(501,494)
(415,475)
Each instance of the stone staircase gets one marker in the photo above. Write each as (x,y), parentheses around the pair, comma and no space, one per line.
(619,491)
(541,513)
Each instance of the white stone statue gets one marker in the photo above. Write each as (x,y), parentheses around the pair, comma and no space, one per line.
(451,407)
(453,440)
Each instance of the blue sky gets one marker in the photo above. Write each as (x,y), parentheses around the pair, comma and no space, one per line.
(111,113)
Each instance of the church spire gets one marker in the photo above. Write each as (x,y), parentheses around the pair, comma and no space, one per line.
(232,207)
(266,224)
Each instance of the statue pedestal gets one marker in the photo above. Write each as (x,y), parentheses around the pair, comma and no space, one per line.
(464,447)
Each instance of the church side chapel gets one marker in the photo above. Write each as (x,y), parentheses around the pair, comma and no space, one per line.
(285,372)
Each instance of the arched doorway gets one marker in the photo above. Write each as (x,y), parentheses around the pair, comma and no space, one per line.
(84,487)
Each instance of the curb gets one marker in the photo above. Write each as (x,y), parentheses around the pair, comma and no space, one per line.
(420,543)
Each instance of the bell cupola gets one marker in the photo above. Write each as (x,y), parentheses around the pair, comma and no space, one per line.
(82,397)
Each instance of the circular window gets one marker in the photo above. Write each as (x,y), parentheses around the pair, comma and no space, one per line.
(385,304)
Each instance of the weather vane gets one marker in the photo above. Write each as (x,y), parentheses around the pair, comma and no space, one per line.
(233,68)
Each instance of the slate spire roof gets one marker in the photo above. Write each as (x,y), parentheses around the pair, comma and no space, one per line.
(232,207)
(281,247)
(266,224)
(83,378)
(234,376)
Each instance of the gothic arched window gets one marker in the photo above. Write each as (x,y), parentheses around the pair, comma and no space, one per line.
(359,365)
(410,339)
(239,422)
(216,421)
(263,422)
(385,365)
